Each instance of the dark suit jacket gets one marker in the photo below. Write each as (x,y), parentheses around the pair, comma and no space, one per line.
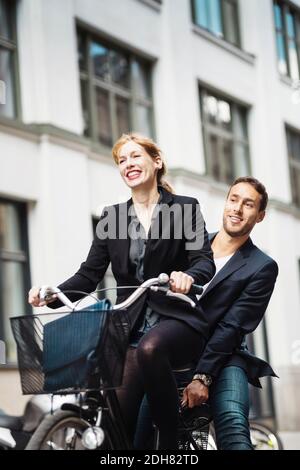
(234,303)
(161,255)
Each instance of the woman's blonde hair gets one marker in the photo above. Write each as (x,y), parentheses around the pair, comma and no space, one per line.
(151,148)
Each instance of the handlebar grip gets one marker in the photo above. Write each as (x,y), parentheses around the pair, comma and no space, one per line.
(196,289)
(47,291)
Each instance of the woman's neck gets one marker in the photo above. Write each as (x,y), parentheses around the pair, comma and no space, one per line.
(143,197)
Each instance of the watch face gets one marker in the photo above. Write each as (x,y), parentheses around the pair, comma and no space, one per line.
(205,379)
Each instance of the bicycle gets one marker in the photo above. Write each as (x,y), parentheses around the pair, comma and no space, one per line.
(95,421)
(262,437)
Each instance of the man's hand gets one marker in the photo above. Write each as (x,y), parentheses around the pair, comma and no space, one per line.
(181,282)
(195,394)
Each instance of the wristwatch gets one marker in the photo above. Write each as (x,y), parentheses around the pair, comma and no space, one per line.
(204,378)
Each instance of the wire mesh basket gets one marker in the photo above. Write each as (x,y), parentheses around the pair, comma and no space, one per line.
(71,352)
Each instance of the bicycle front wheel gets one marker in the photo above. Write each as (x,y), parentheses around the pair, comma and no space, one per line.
(264,438)
(62,431)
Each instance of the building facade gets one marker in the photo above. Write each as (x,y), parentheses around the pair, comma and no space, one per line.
(215,82)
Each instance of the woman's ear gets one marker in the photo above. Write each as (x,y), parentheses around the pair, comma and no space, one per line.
(158,162)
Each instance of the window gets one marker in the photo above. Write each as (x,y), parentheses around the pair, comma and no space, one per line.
(219,17)
(14,270)
(293,144)
(287,27)
(115,90)
(7,59)
(225,137)
(261,400)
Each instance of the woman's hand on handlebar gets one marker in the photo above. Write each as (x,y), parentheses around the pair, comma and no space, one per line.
(34,297)
(180,282)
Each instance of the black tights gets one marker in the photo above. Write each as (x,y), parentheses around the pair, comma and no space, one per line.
(148,369)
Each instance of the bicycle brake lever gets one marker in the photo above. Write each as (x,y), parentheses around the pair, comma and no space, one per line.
(169,293)
(158,288)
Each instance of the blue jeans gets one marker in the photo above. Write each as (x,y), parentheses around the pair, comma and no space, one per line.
(229,400)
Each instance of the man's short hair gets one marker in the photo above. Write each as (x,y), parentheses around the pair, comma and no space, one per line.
(260,188)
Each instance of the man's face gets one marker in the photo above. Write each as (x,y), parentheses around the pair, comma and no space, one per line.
(241,210)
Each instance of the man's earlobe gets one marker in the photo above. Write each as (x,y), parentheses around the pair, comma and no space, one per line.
(261,216)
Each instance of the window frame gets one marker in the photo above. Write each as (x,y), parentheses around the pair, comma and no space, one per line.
(20,256)
(114,90)
(209,129)
(294,165)
(224,36)
(11,45)
(287,7)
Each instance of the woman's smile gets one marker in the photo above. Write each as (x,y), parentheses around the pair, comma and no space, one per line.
(133,174)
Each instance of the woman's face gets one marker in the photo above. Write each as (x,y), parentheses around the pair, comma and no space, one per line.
(137,167)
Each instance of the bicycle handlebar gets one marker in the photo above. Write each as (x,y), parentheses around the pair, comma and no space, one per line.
(196,289)
(47,291)
(157,284)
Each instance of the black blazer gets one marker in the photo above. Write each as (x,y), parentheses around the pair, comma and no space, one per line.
(161,255)
(234,303)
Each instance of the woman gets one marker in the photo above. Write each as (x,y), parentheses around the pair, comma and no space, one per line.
(163,233)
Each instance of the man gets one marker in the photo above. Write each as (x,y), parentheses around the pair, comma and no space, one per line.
(234,301)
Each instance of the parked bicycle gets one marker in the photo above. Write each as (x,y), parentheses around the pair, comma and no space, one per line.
(264,438)
(16,431)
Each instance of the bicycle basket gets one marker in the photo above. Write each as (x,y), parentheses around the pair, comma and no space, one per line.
(71,352)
